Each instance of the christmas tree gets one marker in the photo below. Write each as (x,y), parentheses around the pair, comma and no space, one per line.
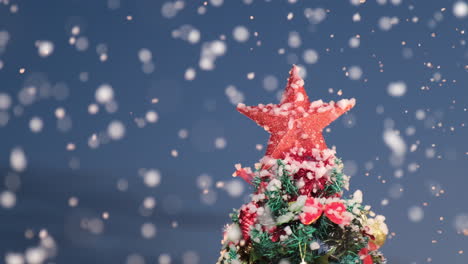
(297,213)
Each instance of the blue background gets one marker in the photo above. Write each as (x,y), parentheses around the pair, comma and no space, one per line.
(202,107)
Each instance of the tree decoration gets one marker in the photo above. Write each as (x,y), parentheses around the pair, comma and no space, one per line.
(297,211)
(295,122)
(311,211)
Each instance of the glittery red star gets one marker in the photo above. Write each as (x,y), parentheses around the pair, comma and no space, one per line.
(295,122)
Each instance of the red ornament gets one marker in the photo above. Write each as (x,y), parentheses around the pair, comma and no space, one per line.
(336,213)
(372,247)
(364,255)
(276,233)
(295,122)
(246,222)
(311,211)
(367,260)
(312,185)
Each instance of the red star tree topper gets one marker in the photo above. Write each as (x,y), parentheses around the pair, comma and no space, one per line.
(295,122)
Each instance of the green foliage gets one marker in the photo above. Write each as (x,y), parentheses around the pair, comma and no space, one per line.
(288,185)
(276,203)
(275,199)
(337,183)
(302,235)
(323,227)
(350,259)
(256,182)
(232,253)
(360,207)
(263,246)
(234,216)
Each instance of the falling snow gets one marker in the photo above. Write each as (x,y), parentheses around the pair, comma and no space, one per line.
(120,124)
